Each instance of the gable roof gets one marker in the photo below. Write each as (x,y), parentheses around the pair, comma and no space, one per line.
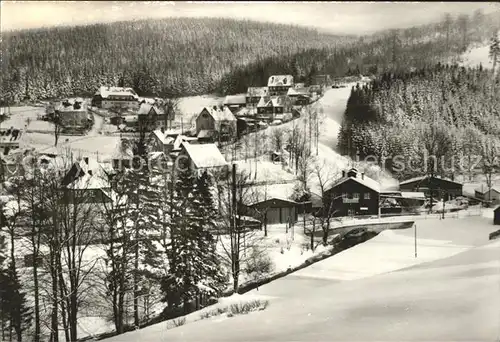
(366,181)
(181,139)
(235,99)
(280,80)
(204,155)
(257,91)
(273,199)
(105,92)
(219,114)
(263,102)
(485,190)
(421,178)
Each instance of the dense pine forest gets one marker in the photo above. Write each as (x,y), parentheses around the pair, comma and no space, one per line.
(450,111)
(179,57)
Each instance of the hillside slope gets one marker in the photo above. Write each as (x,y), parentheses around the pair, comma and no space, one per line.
(188,56)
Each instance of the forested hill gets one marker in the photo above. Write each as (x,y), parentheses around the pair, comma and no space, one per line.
(187,56)
(452,112)
(165,56)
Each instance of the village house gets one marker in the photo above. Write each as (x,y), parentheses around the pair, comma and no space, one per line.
(72,112)
(269,109)
(490,195)
(123,155)
(201,157)
(89,176)
(218,123)
(235,102)
(353,194)
(279,84)
(115,97)
(254,94)
(432,186)
(299,96)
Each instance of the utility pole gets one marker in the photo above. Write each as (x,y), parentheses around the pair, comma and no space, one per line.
(415,229)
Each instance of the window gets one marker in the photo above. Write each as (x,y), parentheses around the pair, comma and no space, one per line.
(344,195)
(366,196)
(355,195)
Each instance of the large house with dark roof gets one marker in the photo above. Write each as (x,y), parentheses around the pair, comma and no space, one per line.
(269,108)
(353,194)
(432,186)
(279,84)
(490,195)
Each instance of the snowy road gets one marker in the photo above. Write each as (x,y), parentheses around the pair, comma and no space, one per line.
(451,295)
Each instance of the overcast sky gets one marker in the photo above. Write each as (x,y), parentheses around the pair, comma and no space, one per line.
(351,17)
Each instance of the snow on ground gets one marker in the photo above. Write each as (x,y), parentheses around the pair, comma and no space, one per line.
(477,55)
(267,171)
(441,295)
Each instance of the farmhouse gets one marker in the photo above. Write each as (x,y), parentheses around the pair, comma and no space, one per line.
(254,95)
(201,157)
(353,194)
(220,121)
(72,112)
(235,102)
(273,210)
(89,176)
(279,84)
(123,155)
(432,186)
(115,97)
(162,140)
(299,96)
(276,105)
(486,194)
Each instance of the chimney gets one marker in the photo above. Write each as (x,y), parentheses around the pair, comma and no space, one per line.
(86,160)
(343,173)
(362,175)
(162,129)
(215,107)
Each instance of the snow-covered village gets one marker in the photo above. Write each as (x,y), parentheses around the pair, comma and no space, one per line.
(173,176)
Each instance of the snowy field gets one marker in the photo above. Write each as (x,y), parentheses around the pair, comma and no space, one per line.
(477,55)
(359,293)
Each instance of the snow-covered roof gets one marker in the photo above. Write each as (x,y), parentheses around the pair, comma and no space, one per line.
(418,195)
(166,137)
(280,80)
(257,91)
(89,182)
(145,108)
(181,139)
(421,178)
(485,189)
(220,114)
(235,100)
(262,102)
(361,179)
(205,133)
(105,92)
(284,199)
(204,155)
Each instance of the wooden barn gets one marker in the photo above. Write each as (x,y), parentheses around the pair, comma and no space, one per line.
(274,210)
(432,186)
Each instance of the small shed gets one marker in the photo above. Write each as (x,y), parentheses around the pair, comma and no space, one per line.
(496,216)
(275,210)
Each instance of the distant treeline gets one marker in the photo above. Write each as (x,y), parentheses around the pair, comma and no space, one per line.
(180,57)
